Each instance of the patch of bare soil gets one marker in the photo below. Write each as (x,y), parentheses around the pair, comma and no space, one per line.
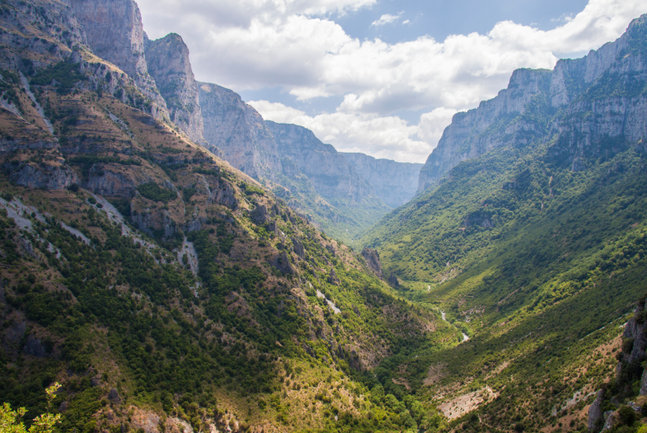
(463,404)
(435,374)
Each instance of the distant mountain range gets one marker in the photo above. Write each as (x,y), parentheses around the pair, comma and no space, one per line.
(343,193)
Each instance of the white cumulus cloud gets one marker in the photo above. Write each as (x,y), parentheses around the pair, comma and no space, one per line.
(386,19)
(390,136)
(296,46)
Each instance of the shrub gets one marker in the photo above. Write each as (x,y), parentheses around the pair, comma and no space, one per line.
(153,191)
(626,415)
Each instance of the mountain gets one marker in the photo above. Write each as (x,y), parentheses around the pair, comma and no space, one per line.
(114,32)
(168,291)
(237,132)
(164,289)
(218,118)
(530,235)
(512,115)
(343,193)
(168,63)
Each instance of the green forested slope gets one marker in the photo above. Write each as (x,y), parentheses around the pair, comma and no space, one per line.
(165,290)
(536,250)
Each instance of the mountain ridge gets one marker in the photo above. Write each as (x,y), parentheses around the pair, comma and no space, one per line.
(343,193)
(477,131)
(218,118)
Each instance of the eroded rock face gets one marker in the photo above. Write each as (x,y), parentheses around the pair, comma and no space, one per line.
(282,263)
(393,182)
(628,370)
(339,176)
(114,31)
(596,103)
(42,176)
(235,131)
(373,260)
(471,134)
(595,412)
(168,63)
(48,18)
(111,183)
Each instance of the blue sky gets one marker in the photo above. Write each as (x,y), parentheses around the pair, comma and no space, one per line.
(440,18)
(381,77)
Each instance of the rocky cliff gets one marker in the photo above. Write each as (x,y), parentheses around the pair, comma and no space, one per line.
(595,96)
(622,400)
(339,176)
(114,31)
(168,63)
(480,130)
(393,182)
(334,188)
(236,131)
(340,190)
(331,175)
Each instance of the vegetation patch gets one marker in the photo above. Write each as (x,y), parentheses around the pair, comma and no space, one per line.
(153,191)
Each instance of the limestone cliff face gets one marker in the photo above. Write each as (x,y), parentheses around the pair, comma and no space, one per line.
(608,115)
(338,176)
(393,182)
(114,31)
(493,123)
(590,104)
(302,154)
(236,131)
(314,177)
(168,63)
(51,29)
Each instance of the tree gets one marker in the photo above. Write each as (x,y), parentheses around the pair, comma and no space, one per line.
(10,420)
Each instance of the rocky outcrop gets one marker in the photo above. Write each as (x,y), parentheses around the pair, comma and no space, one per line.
(114,31)
(111,183)
(42,176)
(628,370)
(595,412)
(635,338)
(594,106)
(237,133)
(282,263)
(168,63)
(259,215)
(373,260)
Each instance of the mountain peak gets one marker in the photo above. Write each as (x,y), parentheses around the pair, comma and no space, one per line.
(169,64)
(114,31)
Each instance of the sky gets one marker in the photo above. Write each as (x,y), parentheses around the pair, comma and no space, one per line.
(382,77)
